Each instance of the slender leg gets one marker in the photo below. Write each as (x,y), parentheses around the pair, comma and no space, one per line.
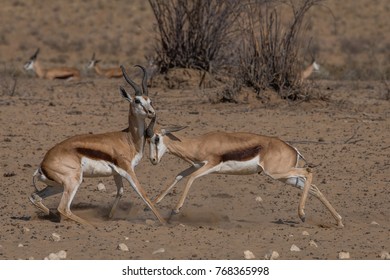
(204,170)
(132,179)
(316,192)
(178,178)
(302,178)
(70,188)
(298,173)
(37,197)
(119,193)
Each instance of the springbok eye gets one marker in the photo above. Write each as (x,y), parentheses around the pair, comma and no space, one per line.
(137,101)
(157,139)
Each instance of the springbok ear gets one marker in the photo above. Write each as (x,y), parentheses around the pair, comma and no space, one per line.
(125,94)
(171,129)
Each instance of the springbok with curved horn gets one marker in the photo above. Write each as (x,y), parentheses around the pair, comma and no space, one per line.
(235,153)
(114,72)
(51,73)
(98,155)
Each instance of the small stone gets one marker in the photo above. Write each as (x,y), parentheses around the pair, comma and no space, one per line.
(53,256)
(123,247)
(126,238)
(248,255)
(101,187)
(150,222)
(374,223)
(344,255)
(259,199)
(55,237)
(159,251)
(272,255)
(305,233)
(61,254)
(20,245)
(312,243)
(385,255)
(25,230)
(294,248)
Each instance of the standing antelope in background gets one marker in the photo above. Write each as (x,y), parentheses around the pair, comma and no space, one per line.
(106,72)
(236,153)
(51,73)
(306,73)
(97,155)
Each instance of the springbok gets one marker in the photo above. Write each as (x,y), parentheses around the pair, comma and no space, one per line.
(51,73)
(236,153)
(306,73)
(97,155)
(115,72)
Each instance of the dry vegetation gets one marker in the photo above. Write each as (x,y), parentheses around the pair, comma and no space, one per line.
(344,133)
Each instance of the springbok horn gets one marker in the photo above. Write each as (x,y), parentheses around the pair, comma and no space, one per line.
(144,80)
(93,56)
(34,56)
(134,85)
(150,130)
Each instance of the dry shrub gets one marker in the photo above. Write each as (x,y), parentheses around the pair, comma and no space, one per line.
(192,33)
(272,50)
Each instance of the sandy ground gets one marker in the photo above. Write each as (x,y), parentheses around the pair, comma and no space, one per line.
(346,136)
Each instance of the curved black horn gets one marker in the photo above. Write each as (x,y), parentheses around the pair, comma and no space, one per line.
(134,85)
(34,56)
(93,56)
(144,80)
(150,130)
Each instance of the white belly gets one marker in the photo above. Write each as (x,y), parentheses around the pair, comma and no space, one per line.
(96,168)
(239,167)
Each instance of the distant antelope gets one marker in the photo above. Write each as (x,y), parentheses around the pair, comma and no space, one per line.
(51,73)
(236,153)
(97,155)
(115,72)
(306,73)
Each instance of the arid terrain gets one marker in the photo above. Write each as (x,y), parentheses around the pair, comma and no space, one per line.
(345,135)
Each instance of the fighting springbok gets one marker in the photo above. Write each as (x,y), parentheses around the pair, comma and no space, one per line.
(236,153)
(51,73)
(106,72)
(97,155)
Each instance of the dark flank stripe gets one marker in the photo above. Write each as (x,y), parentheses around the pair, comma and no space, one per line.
(241,155)
(96,155)
(44,172)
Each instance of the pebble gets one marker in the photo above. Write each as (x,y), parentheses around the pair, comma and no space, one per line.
(25,230)
(385,255)
(305,233)
(374,223)
(259,199)
(344,255)
(123,247)
(101,187)
(20,245)
(312,243)
(150,222)
(55,237)
(60,255)
(159,251)
(272,255)
(248,255)
(294,248)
